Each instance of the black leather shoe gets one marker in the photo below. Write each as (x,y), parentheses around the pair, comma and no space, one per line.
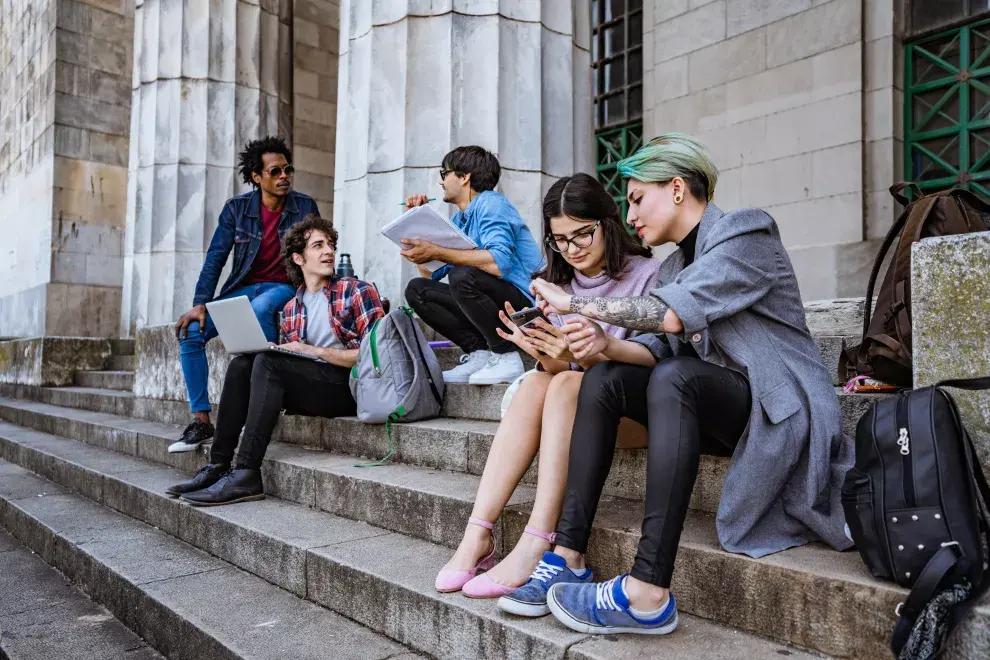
(205,478)
(238,485)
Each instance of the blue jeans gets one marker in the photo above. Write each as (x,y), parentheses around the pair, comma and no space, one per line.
(267,299)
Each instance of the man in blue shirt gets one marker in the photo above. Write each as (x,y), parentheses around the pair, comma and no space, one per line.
(482,280)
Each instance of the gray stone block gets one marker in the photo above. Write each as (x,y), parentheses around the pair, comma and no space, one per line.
(950,320)
(50,360)
(110,380)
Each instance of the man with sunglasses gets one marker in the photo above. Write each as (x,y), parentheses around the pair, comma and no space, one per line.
(253,226)
(480,281)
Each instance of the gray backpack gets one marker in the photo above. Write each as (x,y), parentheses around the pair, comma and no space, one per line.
(397,376)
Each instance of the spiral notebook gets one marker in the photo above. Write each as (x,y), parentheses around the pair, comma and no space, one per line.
(426,224)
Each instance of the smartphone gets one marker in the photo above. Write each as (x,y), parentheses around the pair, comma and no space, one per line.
(524,317)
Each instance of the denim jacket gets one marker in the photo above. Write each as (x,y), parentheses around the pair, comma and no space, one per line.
(240,228)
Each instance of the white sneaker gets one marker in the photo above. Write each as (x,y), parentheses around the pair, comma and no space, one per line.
(470,363)
(501,368)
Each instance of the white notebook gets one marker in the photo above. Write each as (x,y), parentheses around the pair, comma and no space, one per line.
(426,224)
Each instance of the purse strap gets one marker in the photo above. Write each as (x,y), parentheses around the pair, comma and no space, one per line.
(982,383)
(929,583)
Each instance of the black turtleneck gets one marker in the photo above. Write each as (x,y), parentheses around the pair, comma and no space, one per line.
(687,245)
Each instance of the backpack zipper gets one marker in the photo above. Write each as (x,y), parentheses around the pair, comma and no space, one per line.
(904,444)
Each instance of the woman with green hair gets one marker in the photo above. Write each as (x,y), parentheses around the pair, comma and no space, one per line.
(736,374)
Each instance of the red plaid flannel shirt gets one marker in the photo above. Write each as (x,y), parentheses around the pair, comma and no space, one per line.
(354,308)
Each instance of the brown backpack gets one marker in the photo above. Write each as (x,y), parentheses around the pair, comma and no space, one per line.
(885,352)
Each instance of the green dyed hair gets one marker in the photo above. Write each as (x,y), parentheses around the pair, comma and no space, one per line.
(671,155)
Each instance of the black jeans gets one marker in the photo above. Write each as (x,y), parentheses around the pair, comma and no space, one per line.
(689,407)
(256,389)
(466,310)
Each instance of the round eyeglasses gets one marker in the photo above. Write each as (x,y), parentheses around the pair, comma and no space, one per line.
(582,240)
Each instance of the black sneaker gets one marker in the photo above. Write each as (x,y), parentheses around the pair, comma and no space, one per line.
(195,434)
(237,485)
(205,478)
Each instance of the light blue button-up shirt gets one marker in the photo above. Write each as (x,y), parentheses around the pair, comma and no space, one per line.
(494,224)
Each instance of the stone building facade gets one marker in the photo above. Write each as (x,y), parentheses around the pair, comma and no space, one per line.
(122,119)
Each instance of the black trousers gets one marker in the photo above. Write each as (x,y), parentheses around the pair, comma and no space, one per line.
(466,310)
(256,389)
(689,407)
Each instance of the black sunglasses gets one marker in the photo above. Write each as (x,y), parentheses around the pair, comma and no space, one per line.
(276,172)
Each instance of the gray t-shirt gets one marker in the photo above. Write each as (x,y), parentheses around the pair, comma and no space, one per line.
(319,332)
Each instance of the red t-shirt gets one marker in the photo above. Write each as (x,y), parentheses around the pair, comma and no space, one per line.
(267,265)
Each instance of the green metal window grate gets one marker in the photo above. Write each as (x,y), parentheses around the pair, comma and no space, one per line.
(947,109)
(617,60)
(611,146)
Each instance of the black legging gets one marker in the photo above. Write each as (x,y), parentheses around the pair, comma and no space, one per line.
(689,407)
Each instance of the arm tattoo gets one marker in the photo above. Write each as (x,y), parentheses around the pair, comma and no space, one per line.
(637,313)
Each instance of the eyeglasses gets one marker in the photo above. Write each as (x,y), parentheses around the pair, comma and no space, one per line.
(276,172)
(582,240)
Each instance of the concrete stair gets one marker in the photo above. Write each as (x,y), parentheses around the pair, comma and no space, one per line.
(809,596)
(122,363)
(183,601)
(107,380)
(380,579)
(53,619)
(454,445)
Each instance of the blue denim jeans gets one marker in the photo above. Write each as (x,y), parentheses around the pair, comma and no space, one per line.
(267,299)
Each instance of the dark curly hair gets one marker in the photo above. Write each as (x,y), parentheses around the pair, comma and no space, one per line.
(249,161)
(296,239)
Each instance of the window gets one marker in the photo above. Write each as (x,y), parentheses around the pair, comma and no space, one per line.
(927,15)
(947,109)
(617,60)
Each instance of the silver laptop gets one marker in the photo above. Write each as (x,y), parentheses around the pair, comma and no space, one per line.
(239,328)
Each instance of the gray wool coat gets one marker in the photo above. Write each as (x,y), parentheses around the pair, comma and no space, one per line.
(741,308)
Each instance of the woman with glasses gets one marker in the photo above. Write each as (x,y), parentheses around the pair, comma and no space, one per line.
(588,252)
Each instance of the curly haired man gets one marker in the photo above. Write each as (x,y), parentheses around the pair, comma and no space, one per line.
(253,226)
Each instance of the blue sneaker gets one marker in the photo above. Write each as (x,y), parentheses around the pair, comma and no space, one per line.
(531,598)
(603,608)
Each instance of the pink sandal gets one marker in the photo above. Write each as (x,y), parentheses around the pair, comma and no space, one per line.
(449,580)
(483,586)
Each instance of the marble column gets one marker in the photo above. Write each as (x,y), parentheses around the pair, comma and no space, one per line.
(207,79)
(419,77)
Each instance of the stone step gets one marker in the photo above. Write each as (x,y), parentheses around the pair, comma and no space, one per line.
(122,362)
(122,346)
(381,579)
(830,346)
(183,601)
(809,596)
(444,444)
(42,616)
(106,380)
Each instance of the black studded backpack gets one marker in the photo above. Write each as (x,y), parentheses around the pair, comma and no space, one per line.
(916,505)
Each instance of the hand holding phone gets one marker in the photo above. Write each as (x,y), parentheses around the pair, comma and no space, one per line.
(524,317)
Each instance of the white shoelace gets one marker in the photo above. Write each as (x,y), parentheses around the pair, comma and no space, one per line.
(546,572)
(604,599)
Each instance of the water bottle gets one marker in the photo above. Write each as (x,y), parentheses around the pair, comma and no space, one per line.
(344,267)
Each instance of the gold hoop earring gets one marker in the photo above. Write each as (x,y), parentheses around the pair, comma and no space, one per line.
(678,199)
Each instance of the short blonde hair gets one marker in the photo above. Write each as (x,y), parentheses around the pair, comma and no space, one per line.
(671,155)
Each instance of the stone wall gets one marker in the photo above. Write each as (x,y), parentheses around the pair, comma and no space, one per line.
(777,90)
(314,98)
(27,138)
(950,323)
(65,113)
